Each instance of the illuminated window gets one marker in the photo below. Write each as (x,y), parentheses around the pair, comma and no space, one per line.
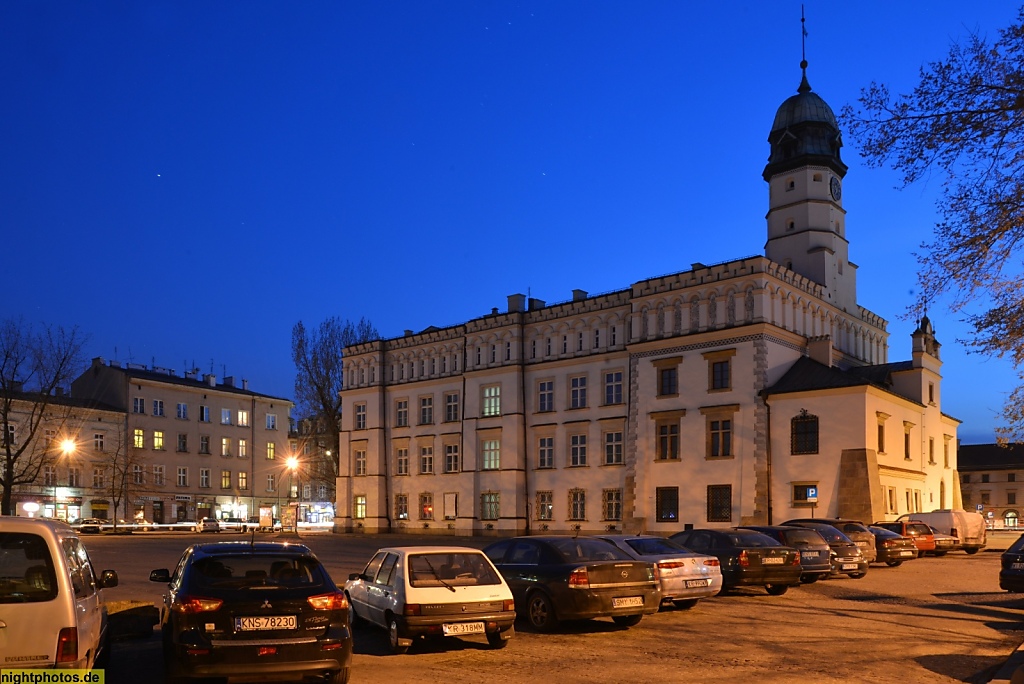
(158,440)
(243,449)
(491,454)
(225,479)
(492,400)
(271,451)
(225,446)
(359,507)
(243,418)
(140,438)
(426,506)
(243,481)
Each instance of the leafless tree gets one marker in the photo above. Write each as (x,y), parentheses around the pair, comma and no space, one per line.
(965,120)
(34,367)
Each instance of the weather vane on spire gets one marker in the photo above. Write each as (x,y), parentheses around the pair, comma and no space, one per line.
(803,39)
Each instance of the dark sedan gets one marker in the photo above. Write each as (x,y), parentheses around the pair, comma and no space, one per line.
(253,612)
(893,549)
(748,558)
(815,554)
(574,578)
(847,558)
(855,530)
(1011,571)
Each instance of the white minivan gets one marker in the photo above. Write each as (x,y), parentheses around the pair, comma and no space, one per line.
(967,526)
(52,612)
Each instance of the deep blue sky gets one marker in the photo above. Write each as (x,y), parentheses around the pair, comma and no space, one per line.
(185,180)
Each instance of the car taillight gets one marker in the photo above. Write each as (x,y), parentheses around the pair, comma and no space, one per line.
(889,543)
(195,604)
(333,601)
(411,609)
(712,562)
(67,645)
(744,559)
(796,559)
(669,565)
(508,604)
(579,579)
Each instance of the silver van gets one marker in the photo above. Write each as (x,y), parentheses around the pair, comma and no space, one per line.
(52,612)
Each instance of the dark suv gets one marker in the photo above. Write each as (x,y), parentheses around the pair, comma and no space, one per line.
(847,558)
(264,611)
(815,554)
(857,531)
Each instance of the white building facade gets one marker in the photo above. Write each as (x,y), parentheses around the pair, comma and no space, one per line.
(717,396)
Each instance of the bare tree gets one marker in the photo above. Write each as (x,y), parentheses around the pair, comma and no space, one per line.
(319,377)
(965,119)
(34,366)
(119,462)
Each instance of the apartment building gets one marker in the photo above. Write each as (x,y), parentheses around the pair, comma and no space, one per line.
(992,482)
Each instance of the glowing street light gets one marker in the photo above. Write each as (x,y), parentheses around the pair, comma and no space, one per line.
(292,463)
(67,448)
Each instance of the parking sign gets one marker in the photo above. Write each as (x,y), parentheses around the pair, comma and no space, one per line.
(812,495)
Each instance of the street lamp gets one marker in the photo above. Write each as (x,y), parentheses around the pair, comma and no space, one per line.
(292,463)
(67,447)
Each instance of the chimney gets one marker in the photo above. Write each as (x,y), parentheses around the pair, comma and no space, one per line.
(245,384)
(820,349)
(537,303)
(210,379)
(516,302)
(579,295)
(408,333)
(229,381)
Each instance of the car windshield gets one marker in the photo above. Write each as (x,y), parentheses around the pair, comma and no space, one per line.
(831,534)
(882,532)
(451,569)
(256,570)
(653,546)
(852,527)
(802,537)
(584,549)
(751,539)
(26,569)
(916,529)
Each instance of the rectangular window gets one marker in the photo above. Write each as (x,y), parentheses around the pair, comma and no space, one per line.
(719,369)
(492,400)
(359,458)
(225,479)
(426,506)
(225,416)
(243,449)
(138,475)
(577,450)
(204,444)
(719,503)
(986,498)
(577,504)
(721,438)
(668,382)
(97,441)
(138,405)
(271,482)
(578,392)
(359,506)
(182,411)
(74,477)
(613,387)
(881,438)
(666,504)
(613,448)
(97,477)
(401,506)
(183,476)
(243,418)
(451,458)
(490,505)
(931,451)
(426,460)
(491,450)
(243,480)
(204,414)
(204,478)
(360,416)
(720,375)
(426,410)
(611,504)
(546,452)
(139,439)
(158,407)
(1011,477)
(984,478)
(158,475)
(1011,498)
(546,396)
(158,440)
(545,505)
(945,453)
(402,413)
(401,461)
(225,446)
(271,451)
(906,444)
(451,407)
(803,434)
(668,440)
(271,421)
(49,476)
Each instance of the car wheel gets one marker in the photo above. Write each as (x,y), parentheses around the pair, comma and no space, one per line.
(857,575)
(776,589)
(627,620)
(894,563)
(394,638)
(353,616)
(971,552)
(339,677)
(540,612)
(684,604)
(495,640)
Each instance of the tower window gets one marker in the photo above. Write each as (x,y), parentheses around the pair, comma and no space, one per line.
(790,226)
(790,184)
(817,178)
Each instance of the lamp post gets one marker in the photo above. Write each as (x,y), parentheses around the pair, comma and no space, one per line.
(292,463)
(67,447)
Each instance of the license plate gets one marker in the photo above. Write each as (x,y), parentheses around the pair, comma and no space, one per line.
(697,583)
(773,560)
(808,554)
(862,543)
(849,566)
(1017,566)
(628,602)
(454,628)
(253,624)
(908,553)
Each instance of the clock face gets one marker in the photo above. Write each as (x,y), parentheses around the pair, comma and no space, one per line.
(836,188)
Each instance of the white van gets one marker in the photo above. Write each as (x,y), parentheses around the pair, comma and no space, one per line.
(52,612)
(967,526)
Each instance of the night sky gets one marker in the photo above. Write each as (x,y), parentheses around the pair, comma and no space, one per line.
(186,180)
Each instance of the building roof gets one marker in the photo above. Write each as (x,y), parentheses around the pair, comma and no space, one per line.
(64,400)
(808,375)
(990,457)
(191,379)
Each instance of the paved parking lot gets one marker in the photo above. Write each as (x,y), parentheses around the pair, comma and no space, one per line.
(931,620)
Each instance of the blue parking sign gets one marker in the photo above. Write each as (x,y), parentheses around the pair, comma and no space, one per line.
(812,494)
(980,508)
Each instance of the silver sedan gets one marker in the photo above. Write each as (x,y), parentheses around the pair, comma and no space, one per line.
(684,576)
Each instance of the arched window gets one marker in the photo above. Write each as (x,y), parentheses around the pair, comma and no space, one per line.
(1010,519)
(803,435)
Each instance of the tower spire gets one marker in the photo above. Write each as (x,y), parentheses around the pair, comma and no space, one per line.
(805,87)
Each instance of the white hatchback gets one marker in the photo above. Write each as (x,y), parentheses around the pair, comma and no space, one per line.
(52,612)
(414,591)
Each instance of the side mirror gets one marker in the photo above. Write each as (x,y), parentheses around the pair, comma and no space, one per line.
(108,579)
(161,575)
(356,576)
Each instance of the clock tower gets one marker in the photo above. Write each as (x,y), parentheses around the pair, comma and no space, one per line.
(806,220)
